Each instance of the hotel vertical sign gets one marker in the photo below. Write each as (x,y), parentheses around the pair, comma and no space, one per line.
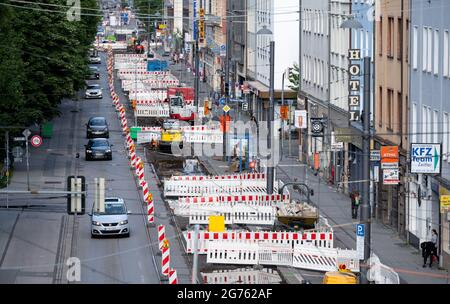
(354,96)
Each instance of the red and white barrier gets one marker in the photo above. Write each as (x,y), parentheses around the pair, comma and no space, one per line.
(145,191)
(173,276)
(322,239)
(248,176)
(165,261)
(150,210)
(242,276)
(271,198)
(161,235)
(156,110)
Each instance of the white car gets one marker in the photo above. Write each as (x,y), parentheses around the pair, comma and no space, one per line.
(114,221)
(93,91)
(95,59)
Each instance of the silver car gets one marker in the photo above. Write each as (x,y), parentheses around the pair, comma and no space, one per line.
(93,91)
(114,221)
(95,59)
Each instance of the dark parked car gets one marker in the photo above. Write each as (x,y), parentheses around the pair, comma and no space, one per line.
(97,127)
(94,73)
(98,148)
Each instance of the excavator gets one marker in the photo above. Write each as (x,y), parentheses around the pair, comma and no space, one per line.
(171,133)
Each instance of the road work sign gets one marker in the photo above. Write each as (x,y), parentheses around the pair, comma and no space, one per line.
(216,223)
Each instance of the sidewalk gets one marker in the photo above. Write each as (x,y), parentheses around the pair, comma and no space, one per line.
(336,207)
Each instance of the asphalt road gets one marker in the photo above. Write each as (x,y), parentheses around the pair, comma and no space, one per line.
(37,236)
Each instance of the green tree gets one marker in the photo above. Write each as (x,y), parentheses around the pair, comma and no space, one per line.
(294,74)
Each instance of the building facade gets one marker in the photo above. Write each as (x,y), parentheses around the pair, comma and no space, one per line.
(391,105)
(429,117)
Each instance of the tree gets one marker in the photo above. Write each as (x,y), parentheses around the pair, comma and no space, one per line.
(294,74)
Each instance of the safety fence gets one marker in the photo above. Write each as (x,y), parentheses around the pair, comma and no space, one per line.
(238,214)
(242,276)
(149,96)
(324,259)
(380,273)
(215,187)
(271,199)
(156,110)
(318,238)
(302,256)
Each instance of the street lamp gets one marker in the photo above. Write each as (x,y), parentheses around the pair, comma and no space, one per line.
(270,165)
(365,217)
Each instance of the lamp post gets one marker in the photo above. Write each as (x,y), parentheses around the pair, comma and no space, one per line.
(270,165)
(365,216)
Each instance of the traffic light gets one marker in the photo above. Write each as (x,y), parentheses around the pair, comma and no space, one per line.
(76,203)
(227,89)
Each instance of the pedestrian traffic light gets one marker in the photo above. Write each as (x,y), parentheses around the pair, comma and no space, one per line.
(227,89)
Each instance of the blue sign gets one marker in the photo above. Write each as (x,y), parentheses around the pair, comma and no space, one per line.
(223,50)
(360,230)
(222,101)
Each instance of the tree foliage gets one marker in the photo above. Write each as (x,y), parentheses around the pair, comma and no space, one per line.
(43,58)
(294,74)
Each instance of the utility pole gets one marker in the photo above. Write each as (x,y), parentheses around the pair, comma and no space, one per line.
(195,262)
(7,166)
(226,79)
(148,31)
(196,58)
(365,207)
(270,120)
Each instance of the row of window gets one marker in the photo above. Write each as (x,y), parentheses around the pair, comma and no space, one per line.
(431,40)
(314,21)
(314,71)
(390,112)
(431,119)
(393,38)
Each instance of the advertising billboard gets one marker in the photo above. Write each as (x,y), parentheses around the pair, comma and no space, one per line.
(426,158)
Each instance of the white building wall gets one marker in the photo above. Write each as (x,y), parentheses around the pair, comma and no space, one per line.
(178,16)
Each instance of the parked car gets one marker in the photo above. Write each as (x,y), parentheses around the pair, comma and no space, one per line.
(113,221)
(93,91)
(94,73)
(97,127)
(98,148)
(95,59)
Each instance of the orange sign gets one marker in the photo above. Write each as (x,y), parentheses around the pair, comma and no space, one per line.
(389,154)
(222,119)
(316,161)
(284,112)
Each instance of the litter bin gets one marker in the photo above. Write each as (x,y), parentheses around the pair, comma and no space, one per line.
(47,130)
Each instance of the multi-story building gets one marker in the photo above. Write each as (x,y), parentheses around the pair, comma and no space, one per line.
(429,117)
(314,54)
(391,104)
(238,11)
(281,18)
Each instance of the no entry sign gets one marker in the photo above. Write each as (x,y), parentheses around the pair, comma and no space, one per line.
(36,141)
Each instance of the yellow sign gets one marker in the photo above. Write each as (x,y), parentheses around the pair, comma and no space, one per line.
(162,26)
(226,108)
(216,223)
(166,243)
(445,203)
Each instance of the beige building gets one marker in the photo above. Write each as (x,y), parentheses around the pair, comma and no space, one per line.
(391,102)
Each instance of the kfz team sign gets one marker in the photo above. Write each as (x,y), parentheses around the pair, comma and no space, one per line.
(426,158)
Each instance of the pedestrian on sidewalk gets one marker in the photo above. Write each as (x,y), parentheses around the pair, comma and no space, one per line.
(434,248)
(427,248)
(355,198)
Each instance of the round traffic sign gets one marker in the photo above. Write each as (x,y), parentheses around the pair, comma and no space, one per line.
(36,141)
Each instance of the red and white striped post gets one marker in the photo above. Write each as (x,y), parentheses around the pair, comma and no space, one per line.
(173,276)
(161,236)
(150,210)
(165,261)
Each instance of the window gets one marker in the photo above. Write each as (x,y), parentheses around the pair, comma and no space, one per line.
(400,39)
(424,50)
(390,37)
(436,52)
(380,103)
(446,137)
(380,37)
(424,124)
(415,49)
(435,126)
(390,109)
(429,126)
(414,123)
(446,55)
(429,51)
